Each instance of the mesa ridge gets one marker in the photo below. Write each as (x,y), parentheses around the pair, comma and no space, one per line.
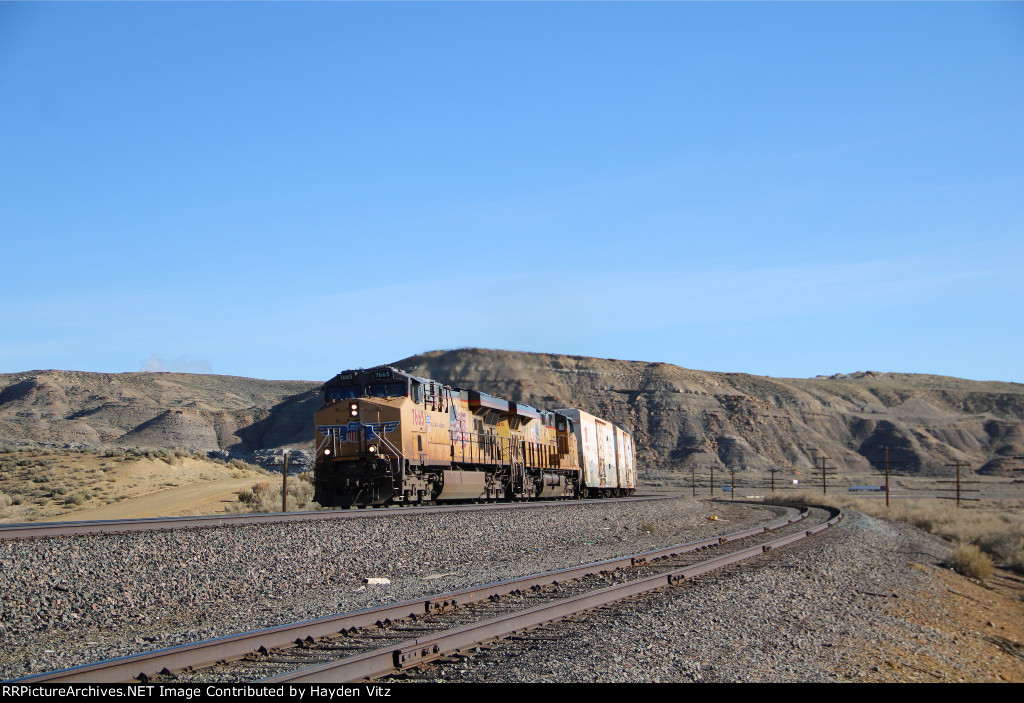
(681,418)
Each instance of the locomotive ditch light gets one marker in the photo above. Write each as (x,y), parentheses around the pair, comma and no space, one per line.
(372,449)
(327,452)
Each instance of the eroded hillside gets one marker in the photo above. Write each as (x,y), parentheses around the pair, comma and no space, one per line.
(681,418)
(189,411)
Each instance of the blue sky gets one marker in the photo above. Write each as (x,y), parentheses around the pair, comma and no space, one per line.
(285,190)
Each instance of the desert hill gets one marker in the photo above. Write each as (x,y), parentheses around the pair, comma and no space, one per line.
(188,411)
(681,418)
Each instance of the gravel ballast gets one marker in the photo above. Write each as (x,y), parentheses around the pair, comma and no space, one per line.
(69,601)
(867,600)
(811,612)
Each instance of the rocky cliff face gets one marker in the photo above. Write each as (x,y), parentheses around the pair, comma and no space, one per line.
(679,417)
(683,418)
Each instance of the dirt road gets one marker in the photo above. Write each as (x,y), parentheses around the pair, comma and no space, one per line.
(207,498)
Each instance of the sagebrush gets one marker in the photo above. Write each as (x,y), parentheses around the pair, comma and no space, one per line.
(970,561)
(265,497)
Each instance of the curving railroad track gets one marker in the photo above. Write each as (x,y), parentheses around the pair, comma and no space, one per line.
(382,641)
(71,528)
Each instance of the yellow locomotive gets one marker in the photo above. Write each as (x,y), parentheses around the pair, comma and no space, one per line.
(384,437)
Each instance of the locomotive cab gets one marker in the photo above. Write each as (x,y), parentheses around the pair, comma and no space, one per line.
(359,448)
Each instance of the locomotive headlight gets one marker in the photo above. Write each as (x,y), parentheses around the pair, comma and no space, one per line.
(353,409)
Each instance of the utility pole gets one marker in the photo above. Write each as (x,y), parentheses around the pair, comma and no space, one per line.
(774,471)
(284,485)
(887,477)
(885,468)
(959,465)
(825,472)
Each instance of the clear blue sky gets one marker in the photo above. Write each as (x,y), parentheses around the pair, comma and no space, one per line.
(285,190)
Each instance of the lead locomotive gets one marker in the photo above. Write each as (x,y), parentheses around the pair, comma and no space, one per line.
(384,436)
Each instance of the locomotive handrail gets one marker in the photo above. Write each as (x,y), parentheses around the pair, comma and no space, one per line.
(394,450)
(479,443)
(397,454)
(322,445)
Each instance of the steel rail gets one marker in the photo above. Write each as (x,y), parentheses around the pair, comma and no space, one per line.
(422,650)
(36,530)
(206,653)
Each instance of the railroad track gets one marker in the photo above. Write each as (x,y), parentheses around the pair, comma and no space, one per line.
(381,641)
(29,530)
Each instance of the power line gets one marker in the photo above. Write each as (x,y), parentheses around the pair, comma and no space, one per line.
(826,472)
(959,464)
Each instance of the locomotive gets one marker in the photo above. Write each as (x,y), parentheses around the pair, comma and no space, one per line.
(386,437)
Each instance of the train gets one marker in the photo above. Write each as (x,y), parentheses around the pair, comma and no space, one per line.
(386,437)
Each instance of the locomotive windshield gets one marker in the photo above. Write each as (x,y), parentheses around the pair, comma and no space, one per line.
(376,390)
(344,392)
(387,390)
